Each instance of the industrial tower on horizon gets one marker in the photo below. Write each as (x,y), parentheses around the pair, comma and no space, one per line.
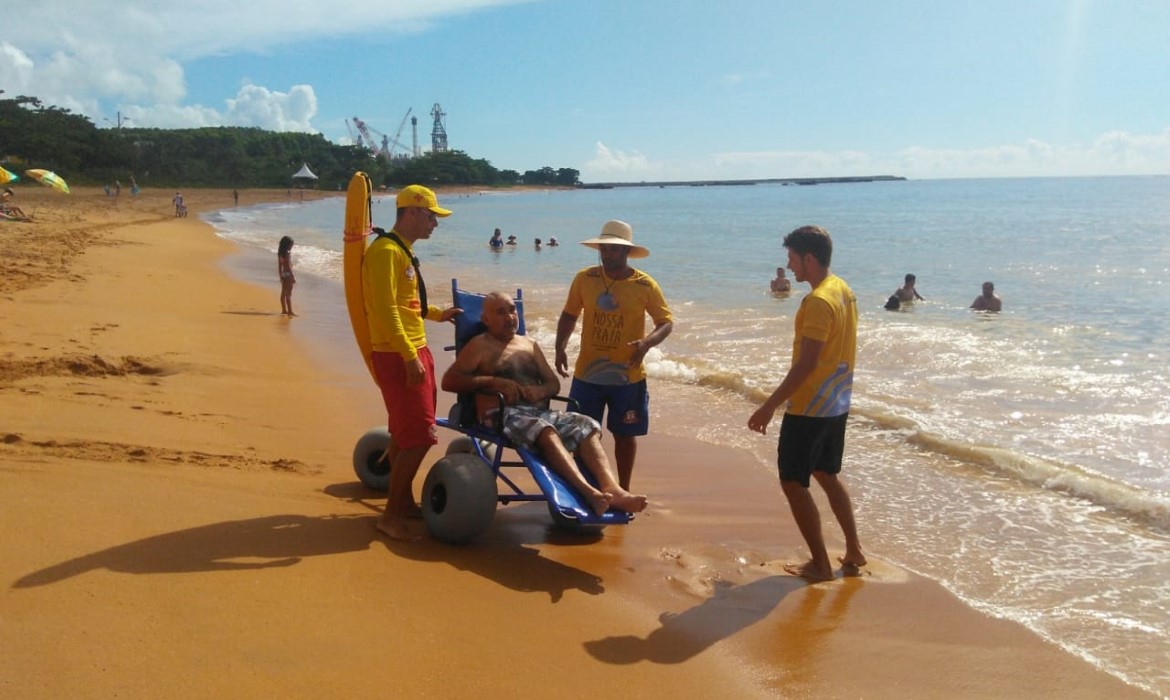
(439,131)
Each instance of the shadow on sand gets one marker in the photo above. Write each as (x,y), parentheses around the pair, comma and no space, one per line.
(258,543)
(730,610)
(501,554)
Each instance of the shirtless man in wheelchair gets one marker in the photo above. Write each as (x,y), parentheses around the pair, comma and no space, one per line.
(501,362)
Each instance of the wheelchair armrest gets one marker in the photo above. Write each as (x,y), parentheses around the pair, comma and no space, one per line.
(570,404)
(498,421)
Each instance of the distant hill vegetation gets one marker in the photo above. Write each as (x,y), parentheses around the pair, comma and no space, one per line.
(33,135)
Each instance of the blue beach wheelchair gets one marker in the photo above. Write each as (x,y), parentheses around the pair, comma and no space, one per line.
(462,489)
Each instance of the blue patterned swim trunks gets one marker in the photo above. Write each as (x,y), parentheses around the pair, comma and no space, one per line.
(523,424)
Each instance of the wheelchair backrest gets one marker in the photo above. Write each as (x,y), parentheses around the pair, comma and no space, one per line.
(468,325)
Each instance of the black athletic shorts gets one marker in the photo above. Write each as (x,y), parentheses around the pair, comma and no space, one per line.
(809,444)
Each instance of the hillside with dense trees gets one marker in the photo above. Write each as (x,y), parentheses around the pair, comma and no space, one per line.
(34,135)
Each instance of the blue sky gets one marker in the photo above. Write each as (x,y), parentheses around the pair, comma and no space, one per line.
(628,90)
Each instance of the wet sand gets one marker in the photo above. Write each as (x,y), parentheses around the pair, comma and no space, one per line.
(180,519)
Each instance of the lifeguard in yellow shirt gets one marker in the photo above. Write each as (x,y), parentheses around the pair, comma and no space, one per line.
(396,305)
(816,395)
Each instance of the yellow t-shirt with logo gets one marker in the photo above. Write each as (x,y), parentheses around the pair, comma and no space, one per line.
(390,290)
(613,314)
(827,314)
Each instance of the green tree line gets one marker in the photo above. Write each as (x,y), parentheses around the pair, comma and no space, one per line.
(35,135)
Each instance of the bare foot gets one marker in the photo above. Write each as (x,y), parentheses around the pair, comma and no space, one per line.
(395,529)
(628,502)
(810,571)
(852,561)
(598,502)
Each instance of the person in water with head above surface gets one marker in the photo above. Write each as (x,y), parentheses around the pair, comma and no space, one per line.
(988,300)
(907,293)
(781,283)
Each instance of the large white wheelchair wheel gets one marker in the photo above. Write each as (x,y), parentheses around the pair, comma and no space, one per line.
(459,498)
(466,445)
(369,459)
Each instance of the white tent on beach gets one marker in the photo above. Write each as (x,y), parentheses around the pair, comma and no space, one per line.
(304,172)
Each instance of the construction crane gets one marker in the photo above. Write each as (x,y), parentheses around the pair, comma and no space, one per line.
(396,143)
(384,146)
(366,139)
(353,135)
(439,131)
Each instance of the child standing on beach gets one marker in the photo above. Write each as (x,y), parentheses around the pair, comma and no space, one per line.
(287,279)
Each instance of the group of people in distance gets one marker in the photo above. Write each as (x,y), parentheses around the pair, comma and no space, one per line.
(907,293)
(612,300)
(496,242)
(987,300)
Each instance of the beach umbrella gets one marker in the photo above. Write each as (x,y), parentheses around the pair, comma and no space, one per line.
(50,178)
(7,177)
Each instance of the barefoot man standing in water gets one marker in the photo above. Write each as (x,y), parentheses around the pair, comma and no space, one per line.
(816,392)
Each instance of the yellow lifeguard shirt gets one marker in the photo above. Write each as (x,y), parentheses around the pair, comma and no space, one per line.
(390,290)
(614,316)
(827,314)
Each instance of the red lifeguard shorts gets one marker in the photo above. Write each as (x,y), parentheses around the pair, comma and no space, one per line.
(410,410)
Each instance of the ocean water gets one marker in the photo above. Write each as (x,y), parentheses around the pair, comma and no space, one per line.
(1018,458)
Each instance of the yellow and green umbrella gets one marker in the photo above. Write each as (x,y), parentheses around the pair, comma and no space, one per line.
(50,178)
(7,177)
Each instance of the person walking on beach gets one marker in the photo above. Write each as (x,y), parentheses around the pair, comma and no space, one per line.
(907,292)
(609,374)
(513,365)
(180,207)
(988,300)
(816,393)
(396,305)
(287,278)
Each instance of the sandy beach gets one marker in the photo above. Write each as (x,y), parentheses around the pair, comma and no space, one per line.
(180,519)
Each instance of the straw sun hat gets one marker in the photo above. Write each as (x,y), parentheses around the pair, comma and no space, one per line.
(617,233)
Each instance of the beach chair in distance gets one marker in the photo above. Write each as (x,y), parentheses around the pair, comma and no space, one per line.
(462,490)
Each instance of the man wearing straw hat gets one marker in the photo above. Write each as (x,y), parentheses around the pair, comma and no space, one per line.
(609,374)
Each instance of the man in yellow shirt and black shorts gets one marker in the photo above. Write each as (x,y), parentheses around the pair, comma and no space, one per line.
(817,392)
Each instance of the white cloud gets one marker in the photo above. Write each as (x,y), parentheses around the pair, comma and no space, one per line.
(291,111)
(85,55)
(610,164)
(1113,153)
(252,106)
